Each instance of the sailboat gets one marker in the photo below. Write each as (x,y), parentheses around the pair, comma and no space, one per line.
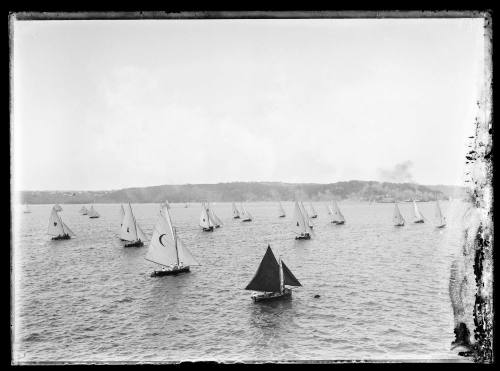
(215,219)
(205,223)
(236,213)
(281,210)
(303,228)
(245,215)
(439,216)
(84,210)
(58,228)
(418,216)
(314,214)
(167,249)
(337,216)
(58,207)
(130,231)
(398,219)
(92,213)
(271,278)
(26,209)
(306,215)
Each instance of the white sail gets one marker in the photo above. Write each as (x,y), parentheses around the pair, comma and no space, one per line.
(299,220)
(162,249)
(26,209)
(214,218)
(338,212)
(128,230)
(92,211)
(57,207)
(56,226)
(307,218)
(185,256)
(416,212)
(122,215)
(67,230)
(140,233)
(397,218)
(439,215)
(84,210)
(236,213)
(281,210)
(312,209)
(205,221)
(245,214)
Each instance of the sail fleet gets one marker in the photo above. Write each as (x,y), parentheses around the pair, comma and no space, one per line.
(168,251)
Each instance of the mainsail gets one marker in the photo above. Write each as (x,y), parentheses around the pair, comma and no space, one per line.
(307,218)
(299,220)
(398,218)
(205,221)
(214,218)
(267,277)
(244,213)
(26,209)
(84,210)
(281,210)
(165,247)
(92,212)
(236,213)
(313,212)
(439,215)
(122,215)
(337,215)
(57,207)
(416,212)
(129,230)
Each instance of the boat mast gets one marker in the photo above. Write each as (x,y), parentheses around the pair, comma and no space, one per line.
(175,243)
(281,275)
(135,223)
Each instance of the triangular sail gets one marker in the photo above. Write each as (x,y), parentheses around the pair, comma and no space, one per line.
(338,217)
(185,256)
(288,277)
(313,212)
(307,218)
(244,213)
(299,220)
(439,215)
(205,221)
(92,211)
(68,231)
(267,277)
(56,226)
(416,212)
(122,215)
(128,230)
(281,210)
(57,207)
(236,213)
(397,218)
(84,210)
(26,209)
(162,249)
(140,233)
(214,218)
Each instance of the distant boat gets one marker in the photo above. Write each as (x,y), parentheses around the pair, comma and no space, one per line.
(398,219)
(418,216)
(58,228)
(236,213)
(245,215)
(58,207)
(337,216)
(306,215)
(301,224)
(271,278)
(205,222)
(314,214)
(167,249)
(214,218)
(26,209)
(92,213)
(84,210)
(164,204)
(439,216)
(281,210)
(186,205)
(130,231)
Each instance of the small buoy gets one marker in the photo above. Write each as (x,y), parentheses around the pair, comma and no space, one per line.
(316,296)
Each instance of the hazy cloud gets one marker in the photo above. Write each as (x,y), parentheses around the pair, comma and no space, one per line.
(399,174)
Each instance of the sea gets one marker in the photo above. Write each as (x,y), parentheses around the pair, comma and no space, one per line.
(383,290)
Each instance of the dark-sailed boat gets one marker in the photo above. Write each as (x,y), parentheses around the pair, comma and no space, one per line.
(301,223)
(167,249)
(271,278)
(57,228)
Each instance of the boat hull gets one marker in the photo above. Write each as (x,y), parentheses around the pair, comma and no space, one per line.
(246,220)
(236,217)
(314,217)
(211,229)
(171,272)
(63,237)
(441,226)
(399,225)
(282,216)
(138,243)
(307,236)
(272,296)
(93,217)
(418,221)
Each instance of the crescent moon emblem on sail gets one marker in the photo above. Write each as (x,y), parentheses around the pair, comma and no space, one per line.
(159,239)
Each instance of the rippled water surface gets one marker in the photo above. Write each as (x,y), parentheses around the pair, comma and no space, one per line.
(384,290)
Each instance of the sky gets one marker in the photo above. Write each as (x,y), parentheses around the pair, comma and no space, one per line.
(101,105)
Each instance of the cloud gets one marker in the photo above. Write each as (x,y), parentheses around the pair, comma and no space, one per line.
(400,173)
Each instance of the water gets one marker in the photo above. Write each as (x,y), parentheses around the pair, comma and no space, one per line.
(384,290)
